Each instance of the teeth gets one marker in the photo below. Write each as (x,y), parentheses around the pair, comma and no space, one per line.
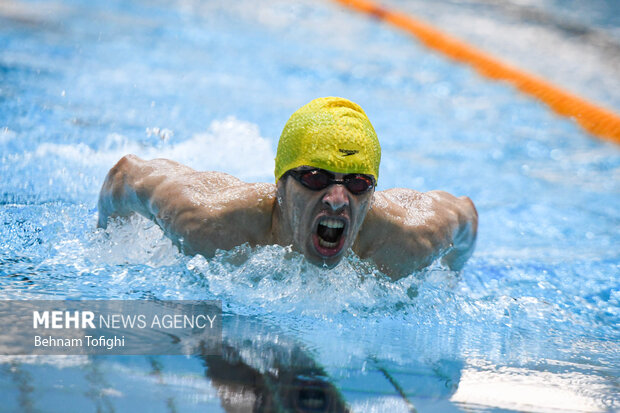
(326,244)
(313,404)
(332,223)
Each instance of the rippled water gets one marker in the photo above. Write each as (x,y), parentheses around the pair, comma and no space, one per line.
(530,324)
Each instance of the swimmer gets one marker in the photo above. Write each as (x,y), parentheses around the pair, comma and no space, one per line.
(323,203)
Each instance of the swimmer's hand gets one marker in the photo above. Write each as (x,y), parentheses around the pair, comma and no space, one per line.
(406,230)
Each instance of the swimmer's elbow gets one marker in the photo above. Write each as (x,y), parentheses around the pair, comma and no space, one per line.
(115,191)
(125,162)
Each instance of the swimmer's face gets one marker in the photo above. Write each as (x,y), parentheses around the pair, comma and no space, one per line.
(324,217)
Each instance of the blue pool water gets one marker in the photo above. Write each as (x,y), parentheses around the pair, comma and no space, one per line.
(531,323)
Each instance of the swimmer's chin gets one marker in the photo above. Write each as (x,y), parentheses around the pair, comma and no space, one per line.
(327,263)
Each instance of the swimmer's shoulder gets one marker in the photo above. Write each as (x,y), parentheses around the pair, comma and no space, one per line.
(395,214)
(393,235)
(414,207)
(400,205)
(171,179)
(214,210)
(405,230)
(182,195)
(226,190)
(219,199)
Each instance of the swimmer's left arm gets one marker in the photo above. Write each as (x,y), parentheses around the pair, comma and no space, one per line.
(407,230)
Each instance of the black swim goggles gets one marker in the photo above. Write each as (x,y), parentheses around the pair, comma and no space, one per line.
(318,179)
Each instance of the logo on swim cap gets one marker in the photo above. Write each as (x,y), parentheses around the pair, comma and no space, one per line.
(348,152)
(317,134)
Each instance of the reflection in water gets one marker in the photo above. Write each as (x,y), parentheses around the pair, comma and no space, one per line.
(261,371)
(243,388)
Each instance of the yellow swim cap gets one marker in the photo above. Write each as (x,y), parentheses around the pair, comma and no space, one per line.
(329,133)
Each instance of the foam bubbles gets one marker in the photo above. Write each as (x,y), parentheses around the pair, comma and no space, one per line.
(76,170)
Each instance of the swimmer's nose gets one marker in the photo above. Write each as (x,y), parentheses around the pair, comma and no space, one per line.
(336,197)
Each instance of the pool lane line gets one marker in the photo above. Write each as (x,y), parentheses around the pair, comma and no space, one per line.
(399,389)
(394,383)
(595,119)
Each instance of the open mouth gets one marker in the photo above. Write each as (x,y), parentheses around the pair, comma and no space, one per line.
(329,236)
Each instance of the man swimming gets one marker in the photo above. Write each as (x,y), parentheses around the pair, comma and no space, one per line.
(323,202)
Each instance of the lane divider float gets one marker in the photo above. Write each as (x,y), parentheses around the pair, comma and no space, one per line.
(595,119)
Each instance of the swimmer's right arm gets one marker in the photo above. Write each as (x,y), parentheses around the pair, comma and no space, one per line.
(199,211)
(149,188)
